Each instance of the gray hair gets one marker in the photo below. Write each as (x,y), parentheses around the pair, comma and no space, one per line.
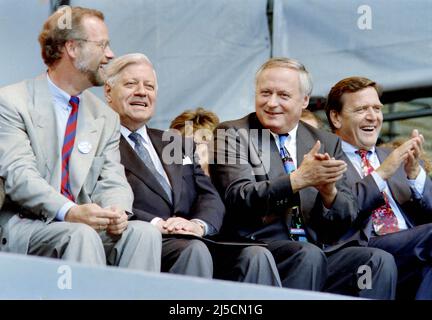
(305,78)
(117,65)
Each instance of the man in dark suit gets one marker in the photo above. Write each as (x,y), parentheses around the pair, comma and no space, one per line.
(281,189)
(392,181)
(171,191)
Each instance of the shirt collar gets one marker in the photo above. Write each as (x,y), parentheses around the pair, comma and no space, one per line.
(141,131)
(59,95)
(350,149)
(292,136)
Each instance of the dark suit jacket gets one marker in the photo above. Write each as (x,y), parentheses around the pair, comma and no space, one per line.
(253,184)
(369,197)
(194,196)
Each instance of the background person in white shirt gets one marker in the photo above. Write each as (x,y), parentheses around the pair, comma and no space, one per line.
(354,112)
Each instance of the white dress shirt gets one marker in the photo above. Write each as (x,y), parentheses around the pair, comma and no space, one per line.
(62,110)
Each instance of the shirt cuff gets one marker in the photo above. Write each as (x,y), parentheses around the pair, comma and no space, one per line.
(379,181)
(60,216)
(417,185)
(206,226)
(154,221)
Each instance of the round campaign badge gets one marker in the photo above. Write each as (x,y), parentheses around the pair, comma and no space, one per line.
(84,147)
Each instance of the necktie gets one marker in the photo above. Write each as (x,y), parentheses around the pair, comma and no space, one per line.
(145,157)
(296,229)
(68,143)
(287,160)
(383,218)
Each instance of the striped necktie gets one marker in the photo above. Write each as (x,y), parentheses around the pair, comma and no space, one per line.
(296,227)
(68,143)
(383,218)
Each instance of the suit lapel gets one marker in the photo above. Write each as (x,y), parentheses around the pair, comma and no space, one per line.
(89,130)
(305,141)
(45,124)
(265,146)
(133,163)
(174,171)
(352,175)
(400,194)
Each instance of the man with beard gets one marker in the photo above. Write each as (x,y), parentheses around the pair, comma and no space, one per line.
(67,194)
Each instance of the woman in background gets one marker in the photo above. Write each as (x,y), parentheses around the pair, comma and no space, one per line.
(199,124)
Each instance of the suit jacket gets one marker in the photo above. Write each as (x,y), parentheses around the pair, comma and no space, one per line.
(2,193)
(250,177)
(369,197)
(194,196)
(30,159)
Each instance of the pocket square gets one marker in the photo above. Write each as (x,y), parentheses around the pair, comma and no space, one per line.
(186,160)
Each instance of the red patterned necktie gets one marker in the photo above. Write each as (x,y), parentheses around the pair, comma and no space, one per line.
(383,218)
(68,143)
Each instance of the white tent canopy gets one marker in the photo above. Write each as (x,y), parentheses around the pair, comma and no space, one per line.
(206,52)
(389,41)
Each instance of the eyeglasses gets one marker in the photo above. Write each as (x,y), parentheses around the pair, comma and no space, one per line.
(103,44)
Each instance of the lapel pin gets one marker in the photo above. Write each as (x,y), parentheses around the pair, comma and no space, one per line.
(84,147)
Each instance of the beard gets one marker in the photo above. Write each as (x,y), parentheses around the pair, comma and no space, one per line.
(94,74)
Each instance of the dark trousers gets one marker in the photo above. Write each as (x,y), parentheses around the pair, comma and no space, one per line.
(412,250)
(186,256)
(251,264)
(303,265)
(192,257)
(361,271)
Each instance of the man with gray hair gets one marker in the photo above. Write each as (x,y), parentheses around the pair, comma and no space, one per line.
(177,197)
(67,194)
(282,183)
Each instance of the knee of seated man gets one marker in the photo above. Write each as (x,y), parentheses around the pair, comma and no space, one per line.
(428,229)
(312,253)
(256,253)
(144,229)
(83,231)
(196,246)
(382,260)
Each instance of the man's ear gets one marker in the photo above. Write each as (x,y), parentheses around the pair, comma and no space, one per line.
(305,102)
(107,92)
(335,118)
(70,48)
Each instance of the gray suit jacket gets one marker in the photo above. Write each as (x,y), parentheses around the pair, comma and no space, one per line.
(30,157)
(250,177)
(369,197)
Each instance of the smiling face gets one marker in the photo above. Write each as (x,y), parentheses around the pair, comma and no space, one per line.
(279,100)
(133,95)
(360,120)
